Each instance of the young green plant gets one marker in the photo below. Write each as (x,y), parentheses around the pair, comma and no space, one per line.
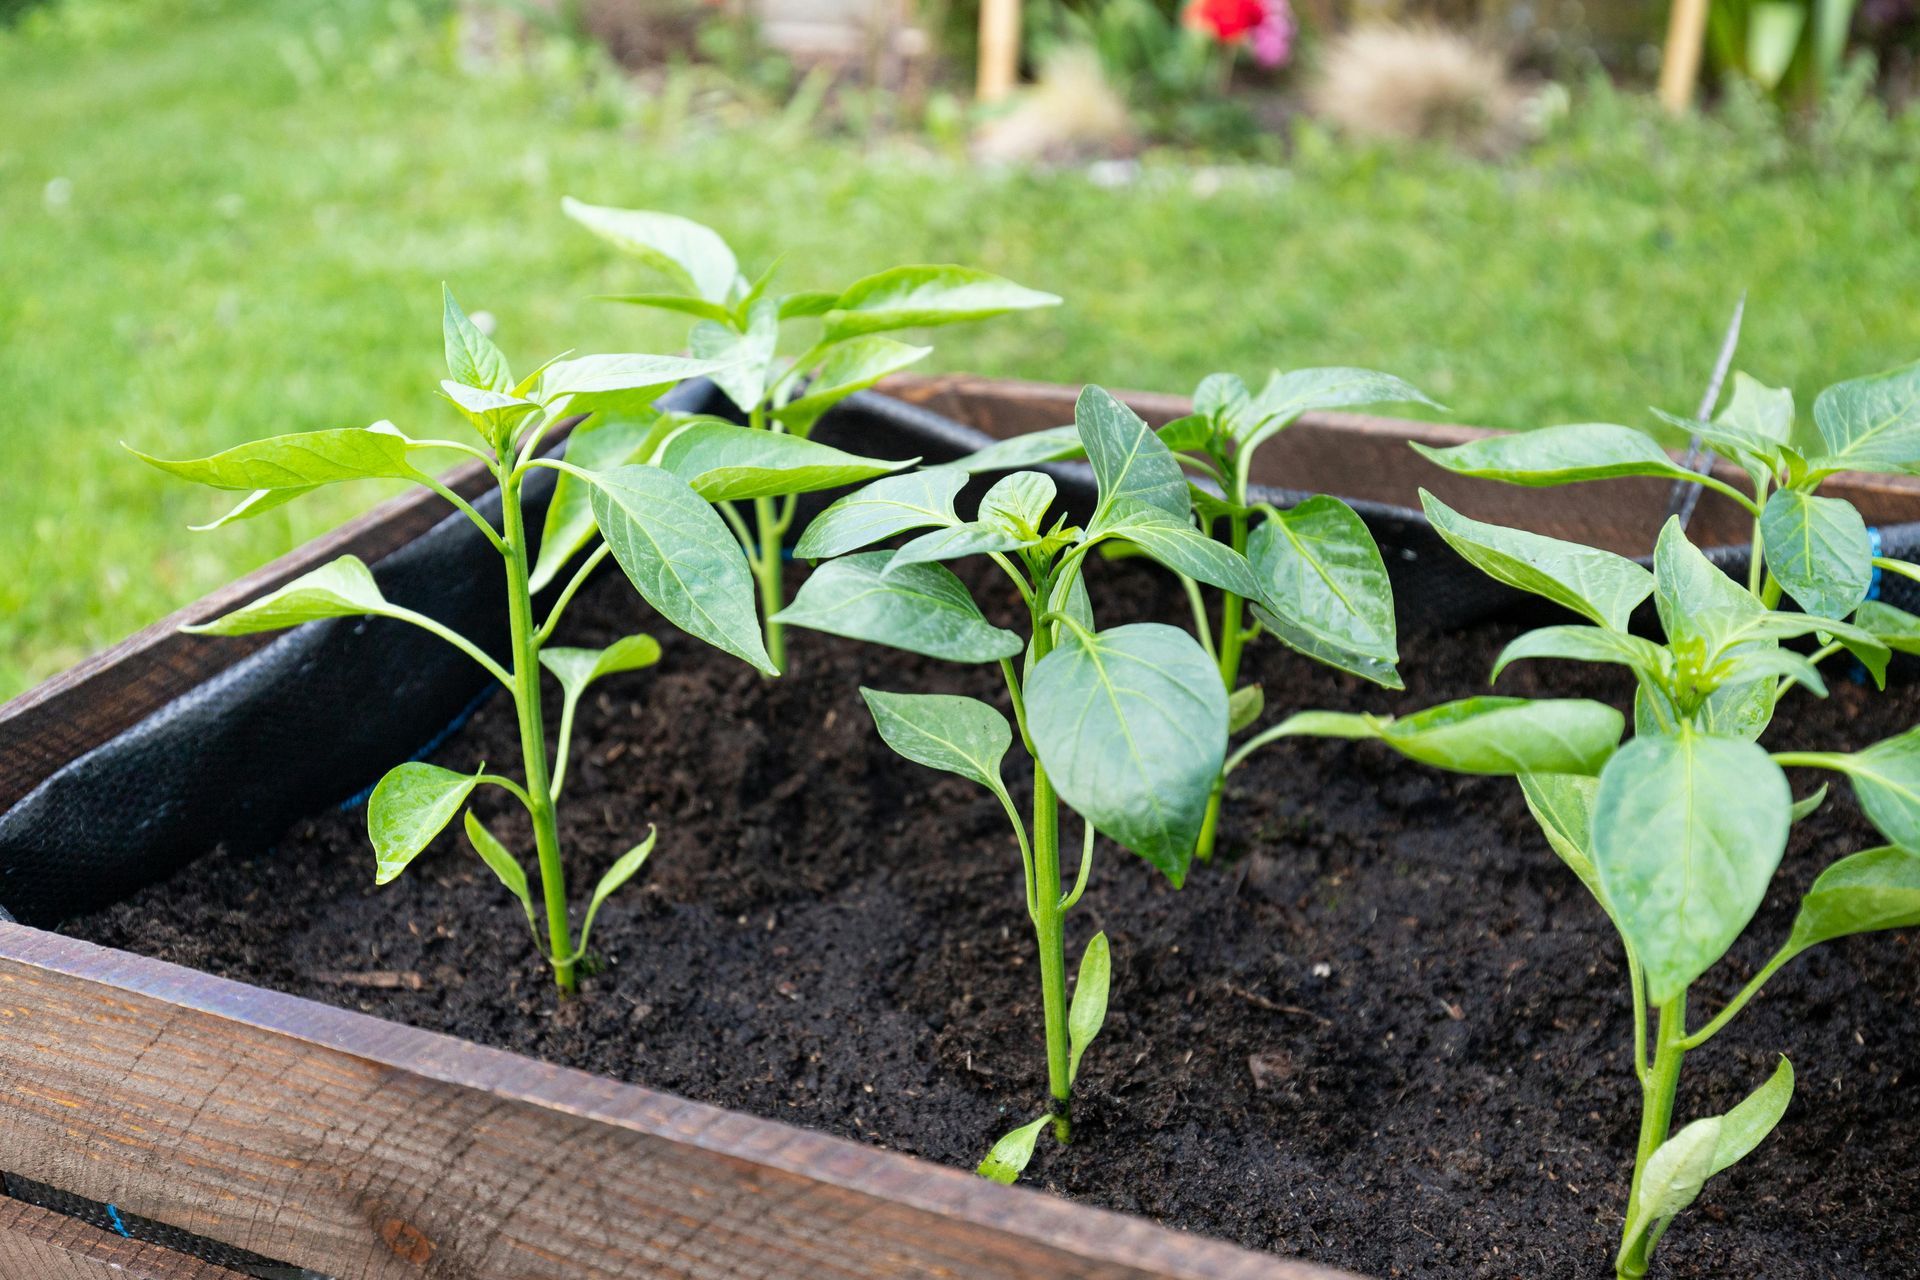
(673,546)
(741,321)
(1677,835)
(1321,586)
(1125,724)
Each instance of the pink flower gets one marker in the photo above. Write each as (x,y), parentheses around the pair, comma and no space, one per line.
(1272,40)
(1265,27)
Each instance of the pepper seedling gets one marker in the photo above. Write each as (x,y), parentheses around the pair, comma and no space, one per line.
(741,321)
(1322,588)
(673,546)
(1678,834)
(1125,724)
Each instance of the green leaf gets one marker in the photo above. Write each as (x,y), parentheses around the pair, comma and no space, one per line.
(1131,726)
(1128,459)
(1593,583)
(1730,711)
(1700,607)
(1871,890)
(618,383)
(850,367)
(1687,832)
(1895,628)
(1244,706)
(808,303)
(624,868)
(1288,395)
(1681,1165)
(257,503)
(968,539)
(595,445)
(1179,546)
(1886,781)
(694,256)
(681,557)
(895,505)
(411,806)
(728,463)
(1009,1157)
(1587,644)
(1761,416)
(679,302)
(496,415)
(301,461)
(1071,598)
(1559,455)
(1871,424)
(1753,1118)
(575,669)
(1029,449)
(1089,1011)
(1222,397)
(945,732)
(1324,589)
(342,588)
(1018,503)
(909,297)
(1803,809)
(472,358)
(1562,803)
(1819,550)
(1498,736)
(1195,431)
(503,864)
(748,356)
(922,609)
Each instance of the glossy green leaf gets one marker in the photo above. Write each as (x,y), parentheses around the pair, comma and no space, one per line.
(624,868)
(1562,804)
(680,556)
(1587,644)
(1753,1118)
(1871,890)
(575,669)
(728,463)
(1886,780)
(1129,461)
(849,367)
(257,503)
(684,304)
(910,297)
(300,461)
(1895,628)
(1288,395)
(471,356)
(971,538)
(1175,543)
(1244,707)
(1194,431)
(1687,832)
(597,444)
(1559,455)
(1803,809)
(1761,416)
(1223,397)
(1324,589)
(694,256)
(1010,1156)
(1019,502)
(502,863)
(808,303)
(342,588)
(496,415)
(883,509)
(1596,584)
(922,609)
(1131,726)
(1089,1010)
(943,731)
(1730,711)
(1029,449)
(412,805)
(747,356)
(1499,736)
(1871,424)
(618,383)
(1819,551)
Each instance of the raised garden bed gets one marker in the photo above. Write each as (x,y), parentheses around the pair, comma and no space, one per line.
(1385,1033)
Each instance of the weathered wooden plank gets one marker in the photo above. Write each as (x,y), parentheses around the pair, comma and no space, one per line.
(372,1151)
(1361,456)
(36,1244)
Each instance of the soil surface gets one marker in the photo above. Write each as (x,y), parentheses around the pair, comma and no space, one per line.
(1386,1030)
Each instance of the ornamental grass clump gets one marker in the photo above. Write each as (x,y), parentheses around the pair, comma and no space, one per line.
(741,322)
(637,480)
(1678,833)
(1125,724)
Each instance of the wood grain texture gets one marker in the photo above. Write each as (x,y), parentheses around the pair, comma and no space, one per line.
(36,1244)
(1362,456)
(371,1151)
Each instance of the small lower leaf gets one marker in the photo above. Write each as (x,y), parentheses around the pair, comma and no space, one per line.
(1089,1011)
(501,861)
(411,806)
(1009,1157)
(1244,706)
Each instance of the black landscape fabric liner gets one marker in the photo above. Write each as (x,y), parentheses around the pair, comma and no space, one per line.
(316,717)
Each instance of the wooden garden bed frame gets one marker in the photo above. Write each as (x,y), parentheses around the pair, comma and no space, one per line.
(366,1150)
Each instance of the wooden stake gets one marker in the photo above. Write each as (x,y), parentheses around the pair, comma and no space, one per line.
(1680,65)
(999,49)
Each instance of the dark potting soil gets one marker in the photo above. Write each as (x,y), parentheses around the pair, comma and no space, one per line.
(1387,1030)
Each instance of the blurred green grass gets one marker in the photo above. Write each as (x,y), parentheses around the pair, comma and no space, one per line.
(234,223)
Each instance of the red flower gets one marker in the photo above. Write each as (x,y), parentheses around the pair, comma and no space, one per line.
(1226,20)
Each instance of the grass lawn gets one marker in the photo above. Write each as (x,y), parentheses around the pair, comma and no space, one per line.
(235,223)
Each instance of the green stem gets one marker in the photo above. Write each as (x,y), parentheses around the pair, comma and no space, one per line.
(1049,925)
(1780,960)
(579,579)
(533,734)
(1656,1120)
(1233,638)
(768,564)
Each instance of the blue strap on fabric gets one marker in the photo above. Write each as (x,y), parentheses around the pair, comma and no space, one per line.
(113,1216)
(434,743)
(1873,583)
